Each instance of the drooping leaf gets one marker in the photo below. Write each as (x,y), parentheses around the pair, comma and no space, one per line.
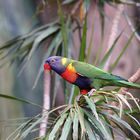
(19,99)
(122,52)
(40,38)
(110,127)
(92,107)
(75,126)
(54,44)
(81,120)
(29,128)
(57,126)
(124,101)
(100,127)
(66,128)
(90,133)
(133,99)
(19,45)
(123,123)
(16,133)
(9,43)
(109,52)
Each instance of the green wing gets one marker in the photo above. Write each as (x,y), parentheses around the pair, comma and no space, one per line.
(101,78)
(90,71)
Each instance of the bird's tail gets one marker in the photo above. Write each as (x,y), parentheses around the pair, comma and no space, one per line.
(121,82)
(127,84)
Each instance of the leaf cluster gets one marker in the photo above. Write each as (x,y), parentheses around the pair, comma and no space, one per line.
(91,117)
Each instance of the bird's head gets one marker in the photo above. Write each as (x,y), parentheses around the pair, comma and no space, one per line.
(56,63)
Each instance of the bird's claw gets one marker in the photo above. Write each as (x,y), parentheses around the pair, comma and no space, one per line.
(78,97)
(91,92)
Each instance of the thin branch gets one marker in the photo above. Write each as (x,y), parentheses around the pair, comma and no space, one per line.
(46,103)
(134,78)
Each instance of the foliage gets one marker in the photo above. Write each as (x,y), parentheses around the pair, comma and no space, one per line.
(90,117)
(19,99)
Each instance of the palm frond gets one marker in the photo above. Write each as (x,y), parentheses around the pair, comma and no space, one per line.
(90,117)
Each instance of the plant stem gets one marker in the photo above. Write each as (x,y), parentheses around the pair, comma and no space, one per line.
(46,103)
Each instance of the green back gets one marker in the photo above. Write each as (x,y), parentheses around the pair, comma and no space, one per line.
(99,77)
(89,70)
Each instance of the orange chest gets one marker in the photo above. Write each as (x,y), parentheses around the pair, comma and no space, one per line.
(70,74)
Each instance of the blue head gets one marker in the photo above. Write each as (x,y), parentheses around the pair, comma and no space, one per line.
(55,63)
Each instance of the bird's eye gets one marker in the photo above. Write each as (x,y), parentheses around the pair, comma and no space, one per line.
(52,60)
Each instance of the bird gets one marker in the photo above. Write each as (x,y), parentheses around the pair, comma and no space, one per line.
(85,75)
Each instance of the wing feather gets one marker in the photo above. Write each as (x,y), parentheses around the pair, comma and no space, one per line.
(89,70)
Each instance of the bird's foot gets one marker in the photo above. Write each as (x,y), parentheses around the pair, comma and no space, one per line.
(91,92)
(78,98)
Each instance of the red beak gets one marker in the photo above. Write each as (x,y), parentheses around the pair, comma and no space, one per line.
(47,66)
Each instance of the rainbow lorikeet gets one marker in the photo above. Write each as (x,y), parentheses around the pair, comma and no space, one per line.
(84,75)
